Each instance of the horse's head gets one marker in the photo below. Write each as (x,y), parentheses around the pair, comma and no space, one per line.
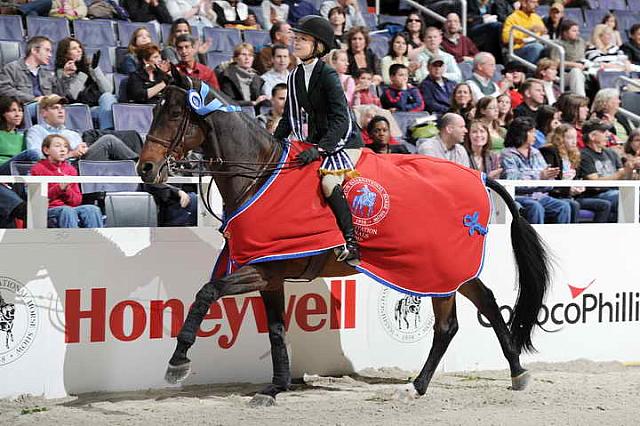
(175,131)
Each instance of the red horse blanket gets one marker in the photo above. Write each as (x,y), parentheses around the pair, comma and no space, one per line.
(421,221)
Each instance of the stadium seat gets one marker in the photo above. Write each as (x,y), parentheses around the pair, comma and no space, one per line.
(258,39)
(594,17)
(124,205)
(9,52)
(78,117)
(379,45)
(631,102)
(384,19)
(126,29)
(21,168)
(222,39)
(370,20)
(165,30)
(95,32)
(543,10)
(607,79)
(105,63)
(54,28)
(634,6)
(626,19)
(257,10)
(120,86)
(11,28)
(575,14)
(466,68)
(216,58)
(612,5)
(136,117)
(497,74)
(406,119)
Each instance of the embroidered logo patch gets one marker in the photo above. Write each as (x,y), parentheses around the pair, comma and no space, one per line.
(369,201)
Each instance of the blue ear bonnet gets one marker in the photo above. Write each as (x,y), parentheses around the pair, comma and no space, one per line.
(195,100)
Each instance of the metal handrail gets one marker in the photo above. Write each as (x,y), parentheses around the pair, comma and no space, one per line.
(439,17)
(632,82)
(541,40)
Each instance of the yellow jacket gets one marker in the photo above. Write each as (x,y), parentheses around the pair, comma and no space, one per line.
(523,20)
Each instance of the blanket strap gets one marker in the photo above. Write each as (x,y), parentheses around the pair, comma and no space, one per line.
(315,265)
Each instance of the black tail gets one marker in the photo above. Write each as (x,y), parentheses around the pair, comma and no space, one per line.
(533,266)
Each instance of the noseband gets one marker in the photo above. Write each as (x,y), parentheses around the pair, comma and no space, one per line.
(176,145)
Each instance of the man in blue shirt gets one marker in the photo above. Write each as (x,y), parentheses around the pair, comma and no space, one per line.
(436,89)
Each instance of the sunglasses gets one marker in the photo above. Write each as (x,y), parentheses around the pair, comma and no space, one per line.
(413,20)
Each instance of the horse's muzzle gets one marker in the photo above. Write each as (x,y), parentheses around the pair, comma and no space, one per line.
(150,172)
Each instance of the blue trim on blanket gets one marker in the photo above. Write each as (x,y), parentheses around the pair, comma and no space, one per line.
(258,194)
(396,288)
(289,256)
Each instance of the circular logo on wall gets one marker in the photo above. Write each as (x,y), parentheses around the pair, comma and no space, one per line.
(407,319)
(18,320)
(369,201)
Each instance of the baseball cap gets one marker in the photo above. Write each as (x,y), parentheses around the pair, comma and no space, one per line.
(557,6)
(434,59)
(51,100)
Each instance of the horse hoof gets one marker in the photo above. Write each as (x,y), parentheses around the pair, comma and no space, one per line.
(177,373)
(262,400)
(521,381)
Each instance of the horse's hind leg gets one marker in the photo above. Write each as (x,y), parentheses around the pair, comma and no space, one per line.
(244,280)
(482,297)
(445,327)
(274,305)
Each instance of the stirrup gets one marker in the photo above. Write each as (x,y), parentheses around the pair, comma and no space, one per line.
(341,253)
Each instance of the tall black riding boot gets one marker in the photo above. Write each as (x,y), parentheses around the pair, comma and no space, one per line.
(340,208)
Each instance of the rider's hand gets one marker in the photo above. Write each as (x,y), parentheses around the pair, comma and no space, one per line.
(308,155)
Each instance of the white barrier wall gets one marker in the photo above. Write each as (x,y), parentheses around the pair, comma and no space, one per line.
(94,310)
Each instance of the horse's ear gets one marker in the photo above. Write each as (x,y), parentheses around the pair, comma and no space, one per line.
(179,79)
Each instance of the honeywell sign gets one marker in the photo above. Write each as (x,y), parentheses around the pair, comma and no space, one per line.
(98,310)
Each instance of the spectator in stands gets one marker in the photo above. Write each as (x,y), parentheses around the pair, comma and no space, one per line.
(140,37)
(547,119)
(186,47)
(339,60)
(379,137)
(574,50)
(176,207)
(398,54)
(632,47)
(198,13)
(12,144)
(26,79)
(454,42)
(280,71)
(31,8)
(364,114)
(462,101)
(414,30)
(606,105)
(487,114)
(181,26)
(612,22)
(562,152)
(482,156)
(280,33)
(598,162)
(147,84)
(270,119)
(400,96)
(437,90)
(553,22)
(432,43)
(547,72)
(631,151)
(520,160)
(359,53)
(299,9)
(533,97)
(505,112)
(147,10)
(83,81)
(365,90)
(65,208)
(352,12)
(525,46)
(514,76)
(240,81)
(448,143)
(603,53)
(235,14)
(107,147)
(574,110)
(338,19)
(481,81)
(12,207)
(274,11)
(70,9)
(485,18)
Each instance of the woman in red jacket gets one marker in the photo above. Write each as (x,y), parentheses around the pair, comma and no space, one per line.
(65,209)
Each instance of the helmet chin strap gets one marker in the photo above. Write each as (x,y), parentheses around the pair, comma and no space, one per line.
(313,52)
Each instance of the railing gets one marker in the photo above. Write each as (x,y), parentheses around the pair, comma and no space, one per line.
(541,40)
(633,82)
(437,16)
(37,203)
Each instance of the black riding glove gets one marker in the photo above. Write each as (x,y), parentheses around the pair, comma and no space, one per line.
(95,60)
(308,155)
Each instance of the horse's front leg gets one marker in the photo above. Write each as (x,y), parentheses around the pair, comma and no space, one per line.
(274,304)
(244,280)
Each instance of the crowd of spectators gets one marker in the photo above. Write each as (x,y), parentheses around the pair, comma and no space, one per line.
(469,105)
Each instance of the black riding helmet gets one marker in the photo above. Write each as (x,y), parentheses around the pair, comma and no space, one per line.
(320,29)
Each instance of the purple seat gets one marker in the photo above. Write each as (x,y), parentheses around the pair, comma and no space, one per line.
(107,168)
(11,28)
(54,28)
(612,4)
(105,57)
(379,45)
(390,19)
(9,52)
(607,79)
(95,32)
(126,29)
(216,58)
(78,117)
(136,117)
(371,20)
(575,15)
(120,86)
(585,216)
(407,119)
(222,39)
(594,17)
(258,39)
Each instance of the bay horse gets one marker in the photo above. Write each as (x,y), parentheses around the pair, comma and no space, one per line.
(241,157)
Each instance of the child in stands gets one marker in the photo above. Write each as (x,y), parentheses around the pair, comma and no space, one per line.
(65,209)
(401,96)
(365,90)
